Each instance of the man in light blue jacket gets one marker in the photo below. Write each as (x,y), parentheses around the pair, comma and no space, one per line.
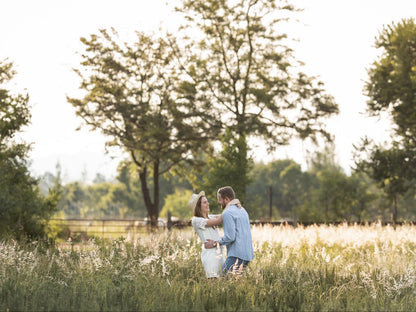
(237,233)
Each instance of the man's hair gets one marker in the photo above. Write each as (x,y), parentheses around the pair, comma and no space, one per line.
(226,192)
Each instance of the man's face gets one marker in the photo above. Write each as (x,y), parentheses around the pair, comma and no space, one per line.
(222,201)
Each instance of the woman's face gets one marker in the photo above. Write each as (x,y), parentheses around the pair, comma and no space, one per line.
(204,206)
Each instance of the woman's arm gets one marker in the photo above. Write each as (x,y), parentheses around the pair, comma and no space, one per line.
(218,220)
(235,201)
(214,221)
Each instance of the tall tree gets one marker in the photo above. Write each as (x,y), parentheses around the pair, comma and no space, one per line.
(131,96)
(23,209)
(243,73)
(333,191)
(391,87)
(389,168)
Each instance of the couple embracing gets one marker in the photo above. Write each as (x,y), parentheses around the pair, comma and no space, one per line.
(237,233)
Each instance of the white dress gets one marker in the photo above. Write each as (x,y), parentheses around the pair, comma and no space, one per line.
(212,258)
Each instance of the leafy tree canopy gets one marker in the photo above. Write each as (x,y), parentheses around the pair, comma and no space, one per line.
(239,68)
(23,210)
(132,95)
(391,85)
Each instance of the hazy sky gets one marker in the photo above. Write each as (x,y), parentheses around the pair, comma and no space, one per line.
(42,39)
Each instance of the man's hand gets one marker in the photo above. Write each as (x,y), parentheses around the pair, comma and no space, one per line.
(210,244)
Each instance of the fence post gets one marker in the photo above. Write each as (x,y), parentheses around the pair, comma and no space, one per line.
(169,220)
(270,203)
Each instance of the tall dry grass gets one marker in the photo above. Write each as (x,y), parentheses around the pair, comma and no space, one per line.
(317,268)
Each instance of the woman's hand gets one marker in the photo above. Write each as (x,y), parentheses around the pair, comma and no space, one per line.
(236,202)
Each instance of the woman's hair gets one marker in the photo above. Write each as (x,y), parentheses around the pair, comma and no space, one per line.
(226,192)
(198,211)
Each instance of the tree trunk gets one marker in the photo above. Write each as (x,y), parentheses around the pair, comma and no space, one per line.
(243,165)
(270,203)
(152,208)
(394,215)
(326,210)
(154,215)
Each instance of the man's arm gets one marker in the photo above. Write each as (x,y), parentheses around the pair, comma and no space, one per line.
(229,229)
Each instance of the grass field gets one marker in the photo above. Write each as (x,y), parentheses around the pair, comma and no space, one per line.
(317,268)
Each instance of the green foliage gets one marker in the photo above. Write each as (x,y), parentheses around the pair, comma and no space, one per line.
(331,188)
(294,187)
(389,168)
(23,209)
(230,167)
(361,197)
(133,196)
(240,70)
(263,177)
(163,101)
(98,201)
(120,199)
(334,195)
(323,193)
(177,204)
(131,96)
(391,85)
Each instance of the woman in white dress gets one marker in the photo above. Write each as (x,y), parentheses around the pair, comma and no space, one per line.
(205,225)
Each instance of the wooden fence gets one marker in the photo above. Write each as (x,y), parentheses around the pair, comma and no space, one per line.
(113,228)
(82,229)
